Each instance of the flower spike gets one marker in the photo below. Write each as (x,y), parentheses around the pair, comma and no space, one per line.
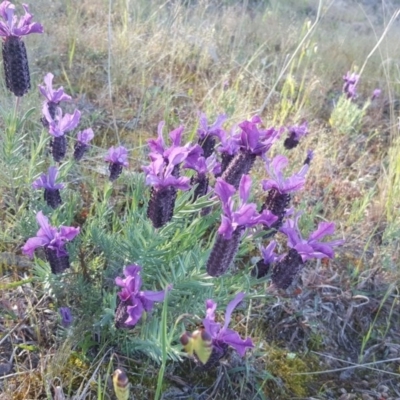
(15,59)
(53,240)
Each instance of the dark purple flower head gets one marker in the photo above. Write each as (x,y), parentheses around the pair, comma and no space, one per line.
(11,26)
(66,316)
(160,173)
(85,136)
(350,83)
(255,140)
(222,336)
(136,300)
(49,237)
(51,95)
(48,181)
(215,129)
(117,155)
(312,247)
(296,133)
(299,131)
(278,181)
(61,124)
(242,214)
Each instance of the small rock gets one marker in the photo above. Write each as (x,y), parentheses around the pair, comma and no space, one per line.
(383,388)
(366,396)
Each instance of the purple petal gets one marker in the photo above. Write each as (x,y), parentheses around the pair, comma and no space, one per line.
(32,244)
(268,252)
(153,296)
(324,229)
(226,228)
(224,190)
(245,214)
(85,136)
(45,228)
(244,188)
(176,136)
(68,232)
(231,306)
(211,306)
(135,312)
(234,340)
(132,270)
(266,218)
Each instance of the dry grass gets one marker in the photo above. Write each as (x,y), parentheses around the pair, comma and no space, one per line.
(146,61)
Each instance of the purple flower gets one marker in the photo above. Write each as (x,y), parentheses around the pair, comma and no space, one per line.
(82,143)
(242,215)
(203,165)
(376,94)
(12,27)
(158,146)
(51,95)
(134,301)
(59,125)
(255,140)
(207,134)
(48,181)
(312,247)
(66,316)
(278,181)
(296,132)
(51,188)
(50,237)
(222,336)
(350,83)
(161,172)
(269,258)
(230,142)
(210,130)
(118,158)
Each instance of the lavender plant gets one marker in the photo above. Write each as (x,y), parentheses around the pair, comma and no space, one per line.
(53,240)
(57,127)
(15,59)
(163,174)
(82,143)
(208,133)
(53,97)
(296,132)
(210,344)
(350,83)
(280,189)
(234,221)
(251,142)
(203,167)
(51,188)
(302,250)
(269,258)
(133,302)
(117,158)
(66,316)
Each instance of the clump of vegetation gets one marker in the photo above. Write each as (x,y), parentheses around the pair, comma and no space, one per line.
(117,244)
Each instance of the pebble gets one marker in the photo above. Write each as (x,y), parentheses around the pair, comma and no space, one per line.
(366,396)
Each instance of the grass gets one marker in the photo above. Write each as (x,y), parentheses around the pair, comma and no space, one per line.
(128,65)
